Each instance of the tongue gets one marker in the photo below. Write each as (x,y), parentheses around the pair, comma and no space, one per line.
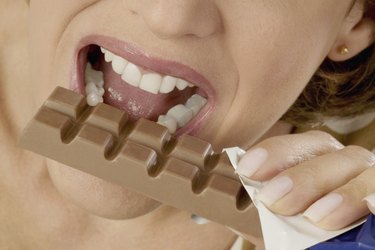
(137,102)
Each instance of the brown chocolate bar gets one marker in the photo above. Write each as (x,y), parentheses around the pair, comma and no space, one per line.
(182,172)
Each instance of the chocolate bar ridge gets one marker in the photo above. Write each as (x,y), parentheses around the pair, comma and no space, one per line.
(182,172)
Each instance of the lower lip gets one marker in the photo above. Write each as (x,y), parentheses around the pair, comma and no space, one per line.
(77,85)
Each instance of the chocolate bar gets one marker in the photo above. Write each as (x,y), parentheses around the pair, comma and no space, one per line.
(183,172)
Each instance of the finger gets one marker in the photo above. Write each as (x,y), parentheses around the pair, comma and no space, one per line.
(297,188)
(344,205)
(271,156)
(371,202)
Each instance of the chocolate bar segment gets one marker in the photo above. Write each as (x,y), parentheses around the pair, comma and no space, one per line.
(182,172)
(193,150)
(71,105)
(109,119)
(146,133)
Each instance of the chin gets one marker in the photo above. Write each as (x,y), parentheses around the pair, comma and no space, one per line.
(98,197)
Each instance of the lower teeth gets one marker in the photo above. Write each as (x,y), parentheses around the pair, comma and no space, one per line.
(169,122)
(176,117)
(93,99)
(94,86)
(179,115)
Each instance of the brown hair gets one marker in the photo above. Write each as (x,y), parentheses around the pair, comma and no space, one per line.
(338,89)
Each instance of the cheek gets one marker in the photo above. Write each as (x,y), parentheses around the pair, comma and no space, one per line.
(280,50)
(48,21)
(279,62)
(273,66)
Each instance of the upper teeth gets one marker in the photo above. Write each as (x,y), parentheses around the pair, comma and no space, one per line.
(150,82)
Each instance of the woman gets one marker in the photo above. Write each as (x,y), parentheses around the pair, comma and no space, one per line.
(250,60)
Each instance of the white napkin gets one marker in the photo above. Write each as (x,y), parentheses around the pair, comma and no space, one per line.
(283,232)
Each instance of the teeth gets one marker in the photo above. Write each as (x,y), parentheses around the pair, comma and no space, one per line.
(93,86)
(101,91)
(169,122)
(181,84)
(132,75)
(168,84)
(195,103)
(150,83)
(176,117)
(94,76)
(118,64)
(93,99)
(182,114)
(108,56)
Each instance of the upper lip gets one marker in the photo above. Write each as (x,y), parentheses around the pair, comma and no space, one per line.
(142,58)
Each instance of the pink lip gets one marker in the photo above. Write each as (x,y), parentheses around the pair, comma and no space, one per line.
(140,57)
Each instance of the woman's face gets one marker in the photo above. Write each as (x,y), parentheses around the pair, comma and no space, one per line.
(249,59)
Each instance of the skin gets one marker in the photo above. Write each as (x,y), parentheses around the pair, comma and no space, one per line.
(258,56)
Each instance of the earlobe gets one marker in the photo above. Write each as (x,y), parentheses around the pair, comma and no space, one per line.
(352,40)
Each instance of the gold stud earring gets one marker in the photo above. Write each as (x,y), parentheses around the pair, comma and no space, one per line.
(343,50)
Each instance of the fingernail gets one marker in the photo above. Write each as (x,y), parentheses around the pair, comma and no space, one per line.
(251,162)
(370,199)
(323,207)
(275,190)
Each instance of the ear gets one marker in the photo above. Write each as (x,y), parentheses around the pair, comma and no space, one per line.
(356,34)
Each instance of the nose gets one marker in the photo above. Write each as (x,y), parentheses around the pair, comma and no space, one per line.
(176,18)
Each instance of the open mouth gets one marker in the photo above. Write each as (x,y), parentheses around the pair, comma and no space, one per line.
(172,101)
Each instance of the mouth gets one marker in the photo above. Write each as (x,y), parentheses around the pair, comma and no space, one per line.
(169,93)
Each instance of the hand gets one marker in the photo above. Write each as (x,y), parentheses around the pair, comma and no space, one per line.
(314,174)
